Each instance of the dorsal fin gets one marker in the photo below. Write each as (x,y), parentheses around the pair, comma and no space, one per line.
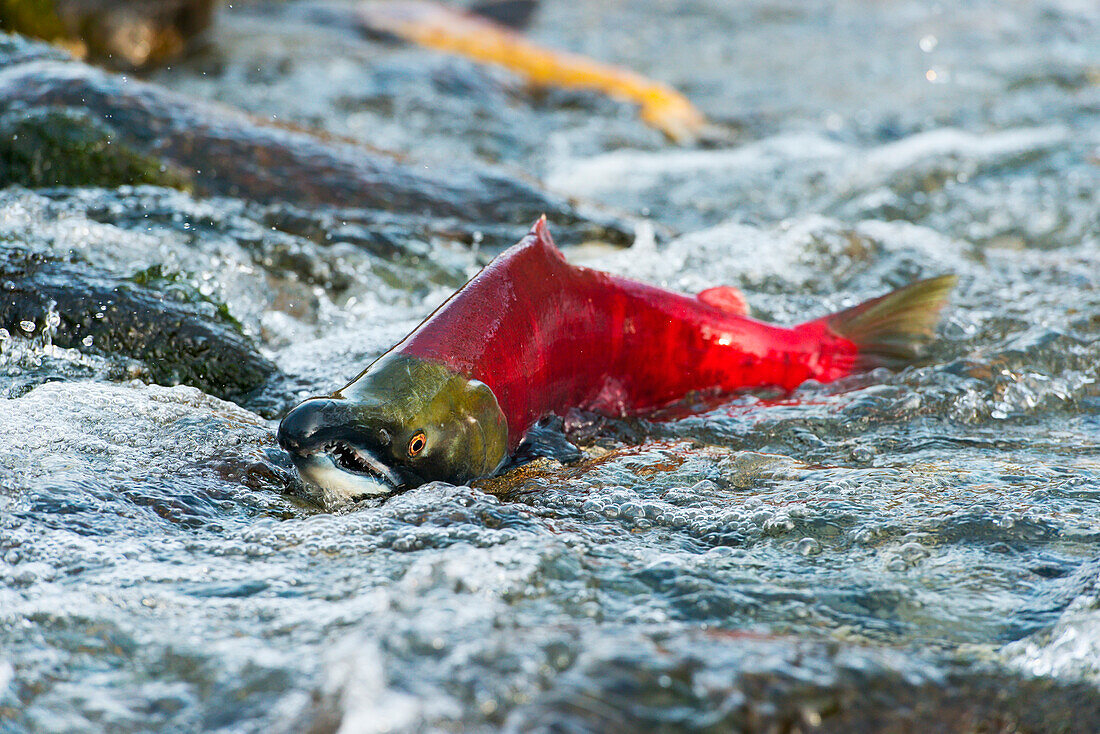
(727,298)
(539,237)
(541,230)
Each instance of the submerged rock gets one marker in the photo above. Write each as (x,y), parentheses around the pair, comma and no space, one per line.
(128,35)
(729,681)
(222,152)
(180,337)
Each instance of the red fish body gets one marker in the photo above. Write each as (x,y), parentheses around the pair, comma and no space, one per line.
(532,335)
(546,336)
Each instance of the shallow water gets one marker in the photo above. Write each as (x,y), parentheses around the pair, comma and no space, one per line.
(887,552)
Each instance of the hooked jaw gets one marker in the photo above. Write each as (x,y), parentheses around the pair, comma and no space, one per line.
(319,436)
(403,422)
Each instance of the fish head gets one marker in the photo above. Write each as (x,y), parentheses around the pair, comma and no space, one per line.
(404,422)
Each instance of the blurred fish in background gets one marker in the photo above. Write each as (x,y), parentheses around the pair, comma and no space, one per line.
(484,35)
(131,34)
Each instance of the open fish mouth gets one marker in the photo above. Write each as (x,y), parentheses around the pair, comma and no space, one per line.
(357,461)
(344,471)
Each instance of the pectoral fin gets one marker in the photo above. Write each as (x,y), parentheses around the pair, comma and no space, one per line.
(726,298)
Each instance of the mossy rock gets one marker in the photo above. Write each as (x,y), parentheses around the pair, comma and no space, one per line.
(180,337)
(225,153)
(44,148)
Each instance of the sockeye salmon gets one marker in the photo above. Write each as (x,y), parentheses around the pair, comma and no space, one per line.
(532,335)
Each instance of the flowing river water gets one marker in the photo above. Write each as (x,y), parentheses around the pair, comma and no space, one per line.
(893,551)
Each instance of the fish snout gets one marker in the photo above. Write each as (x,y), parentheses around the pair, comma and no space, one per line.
(309,425)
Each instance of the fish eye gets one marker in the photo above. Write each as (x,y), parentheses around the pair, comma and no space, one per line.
(417,444)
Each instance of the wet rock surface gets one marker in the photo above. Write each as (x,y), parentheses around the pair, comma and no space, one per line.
(180,337)
(71,148)
(222,152)
(891,552)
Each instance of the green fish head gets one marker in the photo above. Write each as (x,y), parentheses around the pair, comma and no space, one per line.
(403,422)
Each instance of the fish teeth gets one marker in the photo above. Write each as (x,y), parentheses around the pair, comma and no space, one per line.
(348,458)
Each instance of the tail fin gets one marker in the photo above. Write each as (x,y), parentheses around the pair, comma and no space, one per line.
(893,330)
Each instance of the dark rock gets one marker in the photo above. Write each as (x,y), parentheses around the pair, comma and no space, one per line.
(46,148)
(223,152)
(180,339)
(512,13)
(801,687)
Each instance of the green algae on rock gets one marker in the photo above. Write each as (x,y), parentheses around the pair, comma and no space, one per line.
(222,152)
(180,340)
(44,148)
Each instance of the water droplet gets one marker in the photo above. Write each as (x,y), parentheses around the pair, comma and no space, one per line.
(87,341)
(27,326)
(4,335)
(928,43)
(53,319)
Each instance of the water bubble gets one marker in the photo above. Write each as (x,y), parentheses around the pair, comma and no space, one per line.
(928,43)
(27,326)
(863,454)
(87,341)
(761,516)
(896,564)
(53,320)
(865,536)
(704,489)
(808,547)
(592,505)
(777,525)
(913,552)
